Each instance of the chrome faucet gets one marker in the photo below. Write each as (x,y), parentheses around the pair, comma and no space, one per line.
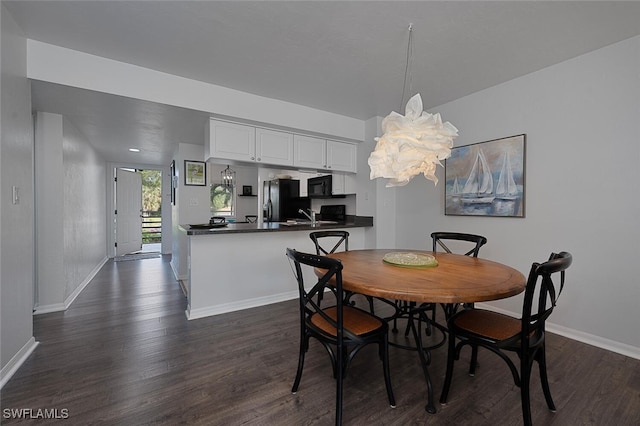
(312,218)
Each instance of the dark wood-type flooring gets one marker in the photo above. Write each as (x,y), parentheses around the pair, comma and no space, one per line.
(124,354)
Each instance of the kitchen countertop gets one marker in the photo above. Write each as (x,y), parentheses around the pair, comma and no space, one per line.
(234,228)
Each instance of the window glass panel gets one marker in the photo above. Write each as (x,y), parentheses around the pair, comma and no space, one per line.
(222,200)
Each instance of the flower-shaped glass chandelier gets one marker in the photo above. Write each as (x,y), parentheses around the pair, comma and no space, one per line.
(413,143)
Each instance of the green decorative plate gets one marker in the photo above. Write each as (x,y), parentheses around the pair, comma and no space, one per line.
(410,260)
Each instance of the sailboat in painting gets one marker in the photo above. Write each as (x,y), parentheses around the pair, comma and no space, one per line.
(478,188)
(455,190)
(506,189)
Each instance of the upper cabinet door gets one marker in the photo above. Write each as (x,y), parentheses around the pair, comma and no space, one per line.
(341,156)
(231,141)
(309,152)
(273,147)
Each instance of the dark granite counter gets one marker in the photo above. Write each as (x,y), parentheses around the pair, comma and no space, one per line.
(234,228)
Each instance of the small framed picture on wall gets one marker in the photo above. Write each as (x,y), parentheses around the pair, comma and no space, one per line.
(195,173)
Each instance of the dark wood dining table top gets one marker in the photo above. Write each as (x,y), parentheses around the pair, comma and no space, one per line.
(456,278)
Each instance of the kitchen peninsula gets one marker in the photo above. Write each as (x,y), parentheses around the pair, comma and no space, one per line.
(243,265)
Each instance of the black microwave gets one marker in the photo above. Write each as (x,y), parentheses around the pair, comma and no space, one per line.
(320,187)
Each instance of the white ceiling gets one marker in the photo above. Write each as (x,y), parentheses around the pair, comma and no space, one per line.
(344,57)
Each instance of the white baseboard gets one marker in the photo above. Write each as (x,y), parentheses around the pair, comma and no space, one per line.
(240,305)
(175,274)
(16,361)
(57,307)
(580,336)
(45,309)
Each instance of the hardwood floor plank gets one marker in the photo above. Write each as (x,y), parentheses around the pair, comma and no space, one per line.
(125,354)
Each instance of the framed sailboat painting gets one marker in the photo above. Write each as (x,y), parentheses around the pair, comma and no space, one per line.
(486,178)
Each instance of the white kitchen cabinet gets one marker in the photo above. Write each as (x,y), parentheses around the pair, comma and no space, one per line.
(230,141)
(343,184)
(341,156)
(322,154)
(238,142)
(337,184)
(274,147)
(309,152)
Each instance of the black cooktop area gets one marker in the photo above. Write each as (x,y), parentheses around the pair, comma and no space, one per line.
(336,212)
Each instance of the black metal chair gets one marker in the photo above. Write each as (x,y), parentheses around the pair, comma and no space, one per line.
(343,327)
(501,333)
(477,241)
(337,238)
(470,242)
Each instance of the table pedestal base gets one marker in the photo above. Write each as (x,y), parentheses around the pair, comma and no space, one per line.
(417,315)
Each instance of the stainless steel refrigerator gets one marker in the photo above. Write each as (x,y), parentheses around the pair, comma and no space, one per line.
(282,200)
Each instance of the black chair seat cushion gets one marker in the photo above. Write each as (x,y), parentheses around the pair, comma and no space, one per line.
(355,320)
(488,324)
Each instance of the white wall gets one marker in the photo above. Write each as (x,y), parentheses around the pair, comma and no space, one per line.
(70,212)
(16,220)
(367,192)
(192,206)
(84,213)
(49,210)
(581,118)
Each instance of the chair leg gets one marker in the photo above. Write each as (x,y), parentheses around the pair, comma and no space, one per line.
(474,360)
(395,317)
(542,364)
(345,361)
(339,382)
(304,345)
(430,327)
(525,380)
(371,309)
(449,373)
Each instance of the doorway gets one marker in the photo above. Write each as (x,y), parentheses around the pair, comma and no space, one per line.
(138,211)
(151,211)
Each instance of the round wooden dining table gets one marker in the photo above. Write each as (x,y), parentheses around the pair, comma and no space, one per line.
(455,279)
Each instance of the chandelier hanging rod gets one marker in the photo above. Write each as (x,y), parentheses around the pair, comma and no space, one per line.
(407,67)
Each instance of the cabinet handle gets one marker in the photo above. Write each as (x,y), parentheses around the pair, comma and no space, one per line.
(253,158)
(259,159)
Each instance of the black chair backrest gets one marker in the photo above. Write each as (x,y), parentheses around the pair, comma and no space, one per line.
(439,237)
(217,219)
(333,273)
(343,236)
(251,218)
(547,291)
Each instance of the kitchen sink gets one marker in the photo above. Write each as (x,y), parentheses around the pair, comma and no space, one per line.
(308,222)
